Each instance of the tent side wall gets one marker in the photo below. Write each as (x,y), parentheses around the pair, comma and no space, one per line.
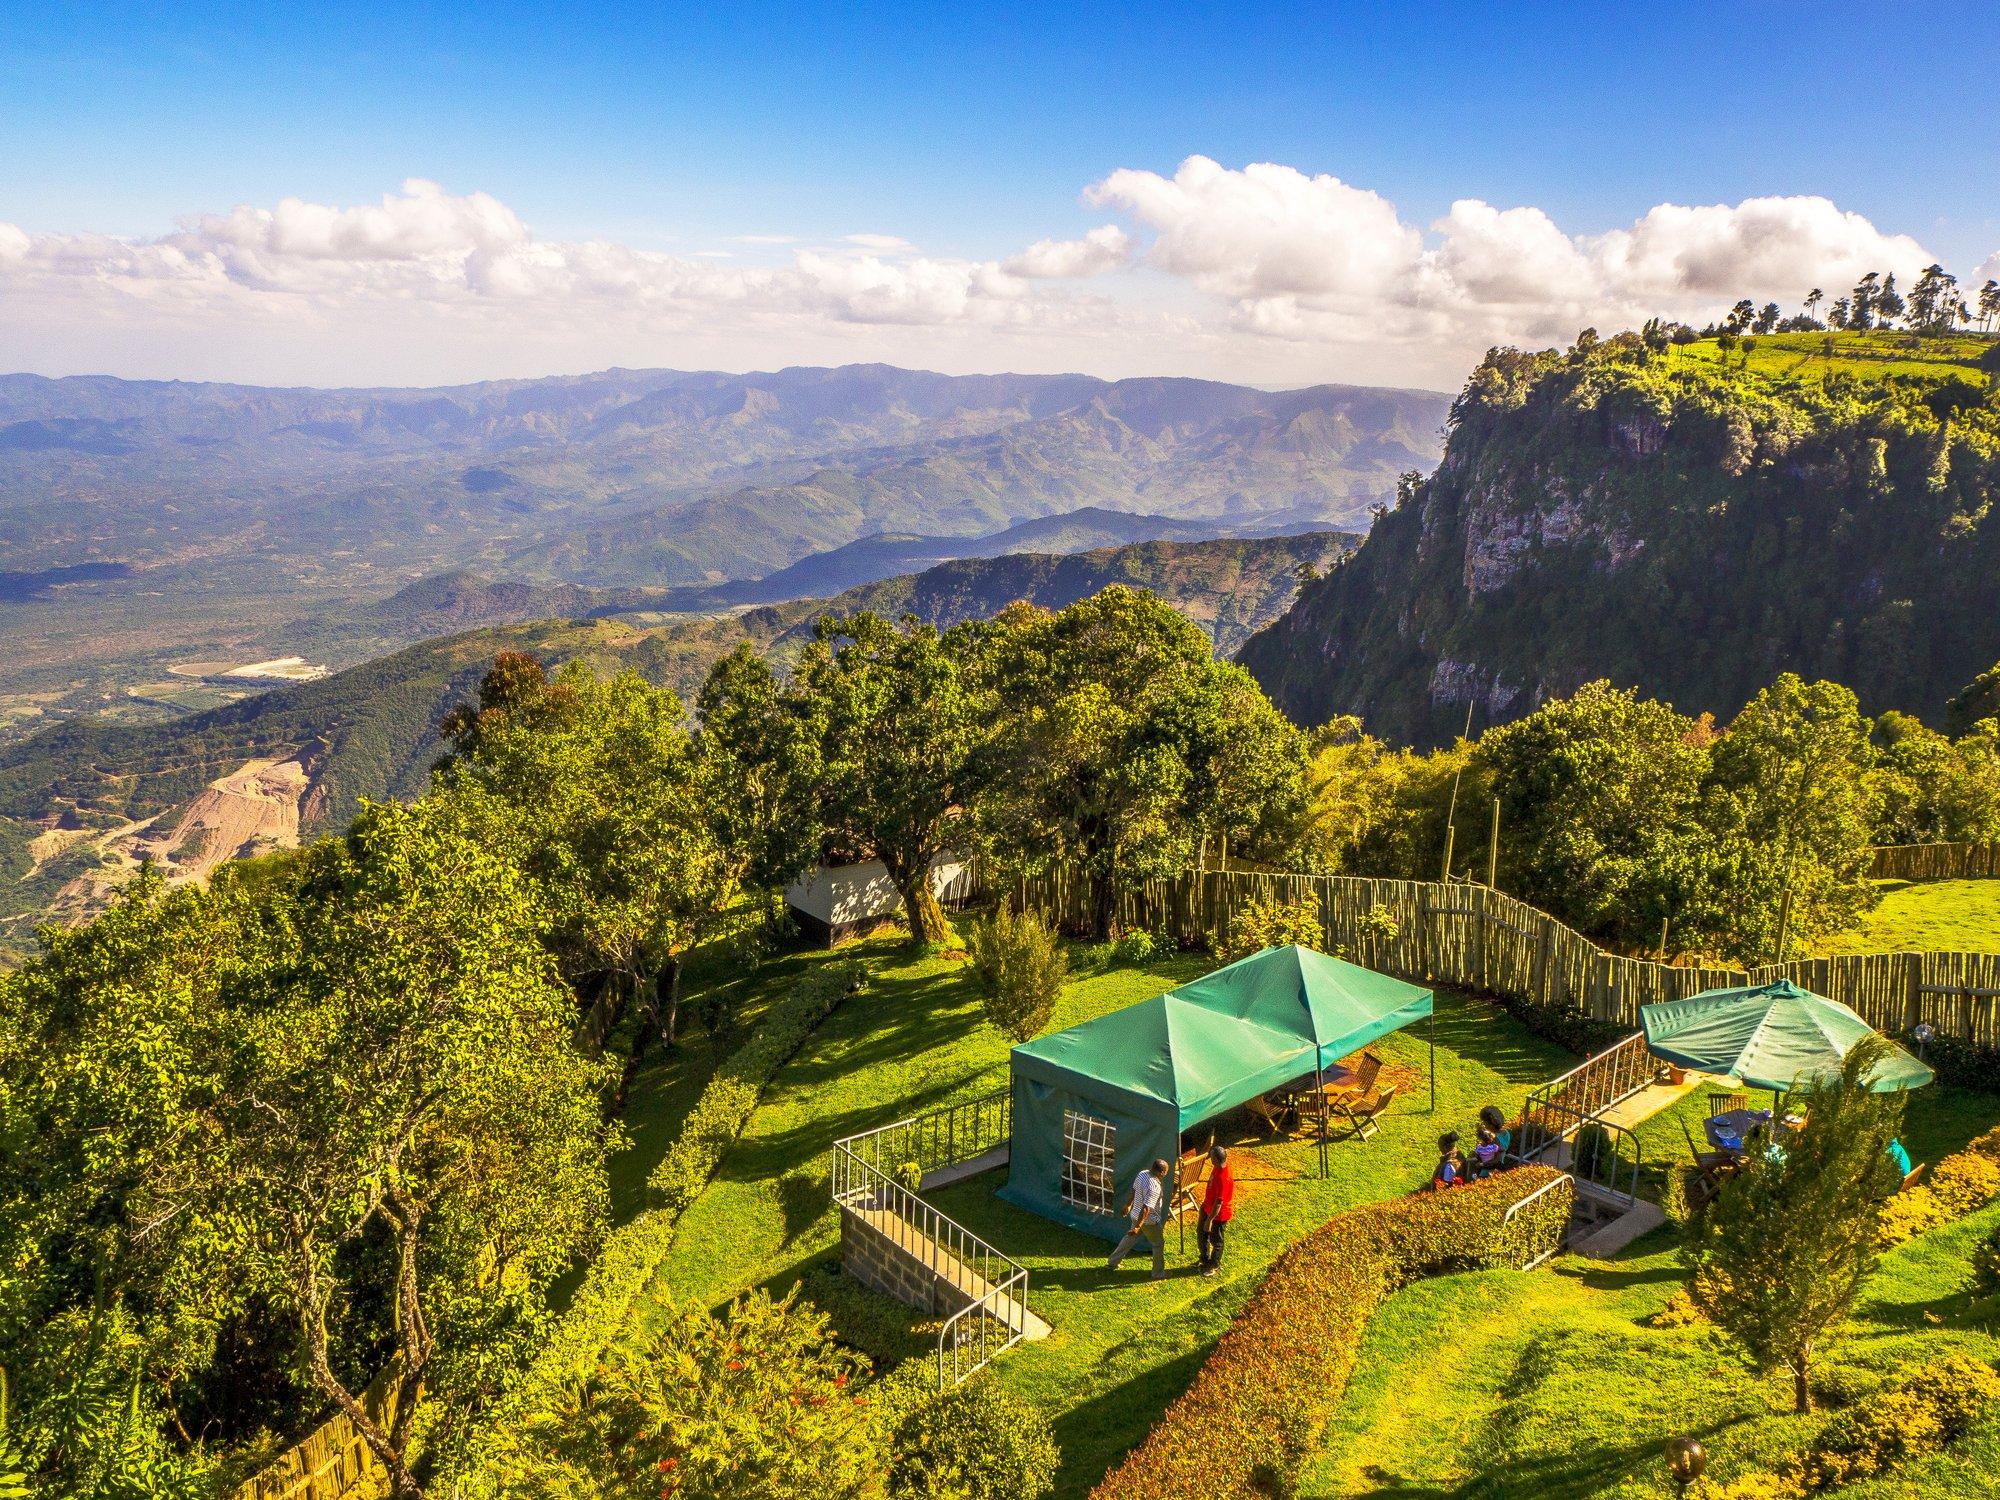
(1145,1129)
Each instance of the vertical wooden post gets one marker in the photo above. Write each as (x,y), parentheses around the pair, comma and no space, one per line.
(1913,1003)
(1450,834)
(1493,850)
(1663,939)
(1784,924)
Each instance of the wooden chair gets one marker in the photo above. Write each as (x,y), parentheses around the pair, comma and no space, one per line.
(1364,1076)
(1722,1104)
(1190,1179)
(1713,1165)
(1268,1114)
(1360,1114)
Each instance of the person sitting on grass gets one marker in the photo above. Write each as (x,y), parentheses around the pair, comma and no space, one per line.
(1149,1195)
(1490,1118)
(1450,1171)
(1485,1158)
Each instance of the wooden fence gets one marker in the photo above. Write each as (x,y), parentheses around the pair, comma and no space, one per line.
(1470,937)
(1936,862)
(333,1461)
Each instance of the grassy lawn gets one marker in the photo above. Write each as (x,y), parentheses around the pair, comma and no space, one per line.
(1548,1386)
(1867,356)
(1949,915)
(1123,1346)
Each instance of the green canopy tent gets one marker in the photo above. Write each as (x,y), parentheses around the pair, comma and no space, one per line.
(1772,1036)
(1099,1101)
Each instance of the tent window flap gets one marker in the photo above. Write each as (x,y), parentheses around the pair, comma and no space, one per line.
(1088,1175)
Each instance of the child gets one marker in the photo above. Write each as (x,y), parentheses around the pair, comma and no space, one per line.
(1450,1171)
(1485,1155)
(1491,1119)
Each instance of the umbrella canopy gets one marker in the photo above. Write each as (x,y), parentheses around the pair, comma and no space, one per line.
(1772,1036)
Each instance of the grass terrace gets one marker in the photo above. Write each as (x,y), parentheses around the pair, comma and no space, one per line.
(1484,1384)
(1949,915)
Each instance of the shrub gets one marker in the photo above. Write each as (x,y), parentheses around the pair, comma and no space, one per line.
(757,1401)
(1934,1406)
(974,1442)
(1266,1390)
(1986,1264)
(1021,971)
(1681,1311)
(1677,1198)
(1591,1153)
(1267,922)
(1134,948)
(1963,1183)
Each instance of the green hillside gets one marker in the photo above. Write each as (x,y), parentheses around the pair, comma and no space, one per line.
(1680,520)
(1230,587)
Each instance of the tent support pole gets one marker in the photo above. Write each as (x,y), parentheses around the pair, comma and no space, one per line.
(1431,1046)
(1319,1083)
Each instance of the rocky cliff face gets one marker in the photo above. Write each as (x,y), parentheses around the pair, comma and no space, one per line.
(1668,525)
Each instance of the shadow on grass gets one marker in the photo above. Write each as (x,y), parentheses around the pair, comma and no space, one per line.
(1565,1476)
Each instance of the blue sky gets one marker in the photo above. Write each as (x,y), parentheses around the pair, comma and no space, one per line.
(682,130)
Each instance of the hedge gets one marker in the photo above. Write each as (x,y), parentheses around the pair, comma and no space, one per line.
(1961,1183)
(725,1106)
(1261,1398)
(632,1255)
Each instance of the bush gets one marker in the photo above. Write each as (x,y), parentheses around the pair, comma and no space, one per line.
(1267,922)
(1962,1183)
(1986,1264)
(1935,1406)
(1677,1195)
(757,1401)
(1681,1311)
(1260,1399)
(974,1442)
(1021,971)
(1134,948)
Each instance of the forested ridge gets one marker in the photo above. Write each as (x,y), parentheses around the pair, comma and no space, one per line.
(1687,518)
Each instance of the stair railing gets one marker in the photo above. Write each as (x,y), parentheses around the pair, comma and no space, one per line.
(865,1181)
(1535,1249)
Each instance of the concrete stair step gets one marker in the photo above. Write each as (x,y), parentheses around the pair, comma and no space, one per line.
(1611,1236)
(948,1268)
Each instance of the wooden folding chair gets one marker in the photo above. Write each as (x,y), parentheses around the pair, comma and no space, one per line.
(1722,1104)
(1270,1116)
(1364,1076)
(1360,1114)
(1190,1180)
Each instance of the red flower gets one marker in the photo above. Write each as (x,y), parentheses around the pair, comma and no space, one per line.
(839,1381)
(736,1364)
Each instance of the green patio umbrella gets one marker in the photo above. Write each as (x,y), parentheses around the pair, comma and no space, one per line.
(1772,1036)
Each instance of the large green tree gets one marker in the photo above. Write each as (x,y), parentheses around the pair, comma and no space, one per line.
(1793,809)
(901,711)
(595,787)
(409,1085)
(1600,798)
(1122,744)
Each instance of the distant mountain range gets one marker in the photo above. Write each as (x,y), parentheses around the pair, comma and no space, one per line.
(663,477)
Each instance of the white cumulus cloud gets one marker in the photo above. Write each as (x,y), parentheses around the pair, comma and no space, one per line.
(1105,248)
(1262,273)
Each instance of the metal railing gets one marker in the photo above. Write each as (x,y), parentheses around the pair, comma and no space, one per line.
(1537,1251)
(867,1181)
(1569,1108)
(975,1336)
(938,1139)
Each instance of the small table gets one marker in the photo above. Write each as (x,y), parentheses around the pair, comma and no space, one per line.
(1727,1132)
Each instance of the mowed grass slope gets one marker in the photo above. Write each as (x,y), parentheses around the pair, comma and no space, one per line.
(1947,915)
(1870,355)
(1123,1346)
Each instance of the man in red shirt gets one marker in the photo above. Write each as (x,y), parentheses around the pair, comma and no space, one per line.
(1218,1203)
